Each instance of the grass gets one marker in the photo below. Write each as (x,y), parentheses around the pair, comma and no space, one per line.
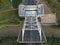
(10,17)
(4,6)
(53,41)
(12,41)
(6,15)
(9,41)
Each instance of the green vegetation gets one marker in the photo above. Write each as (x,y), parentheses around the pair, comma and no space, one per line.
(16,3)
(4,6)
(53,41)
(9,41)
(12,41)
(9,18)
(55,8)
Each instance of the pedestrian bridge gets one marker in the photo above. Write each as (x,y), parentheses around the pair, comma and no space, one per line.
(32,31)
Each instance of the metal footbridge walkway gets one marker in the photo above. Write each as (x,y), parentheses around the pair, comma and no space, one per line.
(32,31)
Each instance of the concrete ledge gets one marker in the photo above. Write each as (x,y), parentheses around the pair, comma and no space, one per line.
(48,19)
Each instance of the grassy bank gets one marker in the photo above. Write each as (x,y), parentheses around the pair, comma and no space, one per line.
(9,41)
(10,17)
(4,5)
(12,41)
(53,41)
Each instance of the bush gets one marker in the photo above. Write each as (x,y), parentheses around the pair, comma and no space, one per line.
(16,3)
(51,1)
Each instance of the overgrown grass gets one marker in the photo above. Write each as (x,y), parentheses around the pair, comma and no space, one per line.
(53,41)
(10,18)
(12,41)
(9,41)
(4,6)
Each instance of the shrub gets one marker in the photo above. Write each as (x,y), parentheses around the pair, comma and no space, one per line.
(16,3)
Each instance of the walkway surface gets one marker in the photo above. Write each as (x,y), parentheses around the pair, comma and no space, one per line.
(32,31)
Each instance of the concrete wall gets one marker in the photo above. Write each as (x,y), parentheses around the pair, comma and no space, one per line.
(48,19)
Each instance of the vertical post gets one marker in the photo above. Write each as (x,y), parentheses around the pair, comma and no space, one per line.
(23,30)
(39,29)
(22,34)
(11,4)
(40,35)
